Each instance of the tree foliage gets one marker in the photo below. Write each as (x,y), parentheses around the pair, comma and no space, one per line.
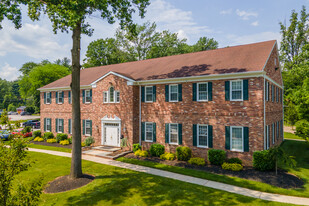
(10,9)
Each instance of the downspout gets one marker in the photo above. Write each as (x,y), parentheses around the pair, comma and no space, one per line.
(264,114)
(282,112)
(140,115)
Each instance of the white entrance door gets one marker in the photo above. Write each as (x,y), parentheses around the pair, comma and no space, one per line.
(111,135)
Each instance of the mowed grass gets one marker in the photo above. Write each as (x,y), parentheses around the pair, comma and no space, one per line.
(117,186)
(59,149)
(288,135)
(300,150)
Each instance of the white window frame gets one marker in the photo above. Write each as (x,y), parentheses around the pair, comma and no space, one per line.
(273,132)
(47,97)
(198,135)
(58,125)
(59,97)
(116,95)
(87,102)
(48,120)
(170,93)
(146,93)
(242,133)
(86,128)
(198,92)
(169,133)
(242,90)
(149,123)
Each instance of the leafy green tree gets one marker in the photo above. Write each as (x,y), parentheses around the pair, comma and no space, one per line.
(4,90)
(204,44)
(10,9)
(27,67)
(278,155)
(291,114)
(66,62)
(68,15)
(294,37)
(105,52)
(11,107)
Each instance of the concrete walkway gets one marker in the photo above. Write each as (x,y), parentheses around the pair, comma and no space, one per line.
(185,178)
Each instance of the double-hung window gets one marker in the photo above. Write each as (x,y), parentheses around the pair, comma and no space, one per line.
(148,131)
(87,96)
(149,94)
(59,125)
(60,97)
(202,91)
(48,124)
(236,90)
(237,139)
(173,133)
(202,135)
(173,94)
(48,97)
(111,94)
(88,127)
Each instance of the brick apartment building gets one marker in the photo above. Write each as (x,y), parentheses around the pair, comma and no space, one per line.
(229,98)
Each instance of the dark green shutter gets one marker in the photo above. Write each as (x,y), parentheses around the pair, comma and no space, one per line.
(70,126)
(180,134)
(50,97)
(246,139)
(245,89)
(50,124)
(210,136)
(83,96)
(56,97)
(154,134)
(227,90)
(62,124)
(227,137)
(268,91)
(154,92)
(44,97)
(179,92)
(84,124)
(56,125)
(143,94)
(143,131)
(166,93)
(62,95)
(194,135)
(167,133)
(69,96)
(90,95)
(44,124)
(194,92)
(90,127)
(209,91)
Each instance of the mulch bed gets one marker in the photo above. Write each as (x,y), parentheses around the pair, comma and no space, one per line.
(283,179)
(52,144)
(65,183)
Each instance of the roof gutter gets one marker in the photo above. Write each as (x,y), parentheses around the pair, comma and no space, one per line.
(62,88)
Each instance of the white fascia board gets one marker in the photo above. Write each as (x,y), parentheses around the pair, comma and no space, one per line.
(114,73)
(272,81)
(202,78)
(63,88)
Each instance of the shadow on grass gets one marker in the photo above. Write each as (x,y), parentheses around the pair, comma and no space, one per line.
(138,188)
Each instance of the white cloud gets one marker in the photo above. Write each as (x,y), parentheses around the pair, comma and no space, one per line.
(253,38)
(8,72)
(224,12)
(245,15)
(255,23)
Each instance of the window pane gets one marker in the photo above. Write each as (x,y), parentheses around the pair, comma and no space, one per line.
(149,128)
(173,133)
(202,87)
(148,94)
(174,89)
(105,97)
(202,135)
(237,139)
(174,92)
(117,96)
(236,85)
(202,91)
(236,94)
(87,127)
(111,94)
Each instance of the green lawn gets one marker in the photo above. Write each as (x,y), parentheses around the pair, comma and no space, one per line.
(293,148)
(60,149)
(288,135)
(117,186)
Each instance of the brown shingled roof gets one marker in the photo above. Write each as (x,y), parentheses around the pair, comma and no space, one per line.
(243,58)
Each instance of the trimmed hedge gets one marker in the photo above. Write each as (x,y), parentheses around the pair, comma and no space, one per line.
(216,156)
(232,166)
(156,150)
(141,153)
(197,161)
(167,156)
(48,135)
(36,133)
(64,142)
(136,147)
(183,153)
(262,161)
(234,160)
(61,136)
(89,141)
(51,140)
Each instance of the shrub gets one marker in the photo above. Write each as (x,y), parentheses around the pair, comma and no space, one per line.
(136,147)
(167,156)
(70,140)
(26,130)
(216,156)
(262,161)
(17,124)
(183,153)
(28,134)
(302,129)
(89,141)
(37,133)
(234,160)
(48,135)
(197,161)
(51,140)
(141,153)
(156,150)
(61,136)
(83,144)
(36,139)
(40,139)
(232,166)
(123,142)
(64,142)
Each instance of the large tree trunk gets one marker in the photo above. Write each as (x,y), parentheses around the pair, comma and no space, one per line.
(76,162)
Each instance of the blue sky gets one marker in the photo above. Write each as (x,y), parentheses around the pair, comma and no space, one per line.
(230,22)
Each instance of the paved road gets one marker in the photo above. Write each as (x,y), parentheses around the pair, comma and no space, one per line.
(26,117)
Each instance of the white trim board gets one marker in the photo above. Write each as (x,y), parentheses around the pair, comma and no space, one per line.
(114,73)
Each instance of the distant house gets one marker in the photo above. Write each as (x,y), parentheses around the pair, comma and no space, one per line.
(21,109)
(229,99)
